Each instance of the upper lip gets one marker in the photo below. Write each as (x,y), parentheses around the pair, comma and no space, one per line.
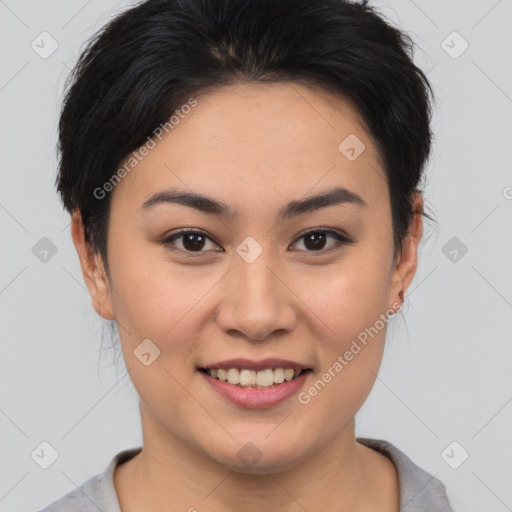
(263,364)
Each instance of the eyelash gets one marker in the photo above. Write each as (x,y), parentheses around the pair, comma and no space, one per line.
(340,240)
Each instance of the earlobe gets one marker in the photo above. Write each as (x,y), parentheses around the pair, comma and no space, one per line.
(93,270)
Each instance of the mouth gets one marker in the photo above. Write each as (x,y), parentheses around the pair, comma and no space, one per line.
(256,379)
(256,384)
(255,389)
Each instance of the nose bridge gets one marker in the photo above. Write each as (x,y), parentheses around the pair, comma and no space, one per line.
(257,280)
(256,303)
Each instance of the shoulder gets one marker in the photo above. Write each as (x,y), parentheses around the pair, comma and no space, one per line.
(419,490)
(81,499)
(97,493)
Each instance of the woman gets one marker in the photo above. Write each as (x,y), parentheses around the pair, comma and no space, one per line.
(243,179)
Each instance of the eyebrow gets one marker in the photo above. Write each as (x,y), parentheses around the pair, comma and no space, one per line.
(335,196)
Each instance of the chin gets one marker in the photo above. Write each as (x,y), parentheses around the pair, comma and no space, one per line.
(261,467)
(260,457)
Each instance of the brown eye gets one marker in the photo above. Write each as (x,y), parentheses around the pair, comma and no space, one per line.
(189,241)
(194,241)
(316,240)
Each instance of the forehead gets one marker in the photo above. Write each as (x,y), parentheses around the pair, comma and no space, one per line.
(282,139)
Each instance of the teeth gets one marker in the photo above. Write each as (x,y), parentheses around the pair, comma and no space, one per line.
(233,376)
(247,378)
(278,375)
(265,378)
(251,378)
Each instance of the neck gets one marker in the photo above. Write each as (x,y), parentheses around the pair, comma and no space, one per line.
(343,476)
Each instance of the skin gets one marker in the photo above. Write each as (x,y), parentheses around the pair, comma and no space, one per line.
(254,147)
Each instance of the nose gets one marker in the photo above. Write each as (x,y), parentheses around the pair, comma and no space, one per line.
(257,302)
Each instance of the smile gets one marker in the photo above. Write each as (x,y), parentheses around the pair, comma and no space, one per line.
(255,389)
(246,378)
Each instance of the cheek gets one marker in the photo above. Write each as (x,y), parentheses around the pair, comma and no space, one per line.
(350,356)
(351,296)
(155,299)
(160,306)
(352,306)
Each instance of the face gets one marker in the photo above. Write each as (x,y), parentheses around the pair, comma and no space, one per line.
(262,272)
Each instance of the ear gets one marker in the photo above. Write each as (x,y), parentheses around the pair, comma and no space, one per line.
(407,259)
(93,270)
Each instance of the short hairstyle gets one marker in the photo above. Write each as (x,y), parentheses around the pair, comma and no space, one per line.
(146,62)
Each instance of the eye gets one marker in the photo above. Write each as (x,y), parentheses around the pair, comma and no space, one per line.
(194,241)
(190,241)
(315,240)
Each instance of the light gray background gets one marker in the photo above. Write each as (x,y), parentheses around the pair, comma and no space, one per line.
(446,374)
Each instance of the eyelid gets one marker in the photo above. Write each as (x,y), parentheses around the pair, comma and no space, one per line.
(341,239)
(326,231)
(169,239)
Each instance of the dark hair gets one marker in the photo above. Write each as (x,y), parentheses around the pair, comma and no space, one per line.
(150,59)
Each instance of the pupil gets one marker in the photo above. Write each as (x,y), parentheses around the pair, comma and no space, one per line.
(317,239)
(195,241)
(192,245)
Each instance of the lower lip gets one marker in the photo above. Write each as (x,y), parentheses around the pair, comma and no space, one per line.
(257,398)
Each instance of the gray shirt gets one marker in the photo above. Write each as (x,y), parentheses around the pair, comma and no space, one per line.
(419,490)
